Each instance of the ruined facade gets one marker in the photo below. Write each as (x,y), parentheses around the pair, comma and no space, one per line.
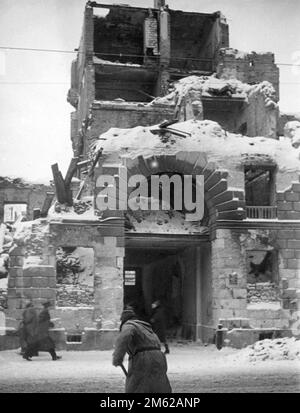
(14,192)
(159,91)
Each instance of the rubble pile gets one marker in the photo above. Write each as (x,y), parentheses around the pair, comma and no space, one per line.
(32,236)
(278,349)
(67,265)
(18,182)
(161,222)
(80,207)
(262,292)
(292,131)
(194,87)
(74,295)
(3,299)
(268,92)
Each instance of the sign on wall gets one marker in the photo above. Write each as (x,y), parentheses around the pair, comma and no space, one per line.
(129,277)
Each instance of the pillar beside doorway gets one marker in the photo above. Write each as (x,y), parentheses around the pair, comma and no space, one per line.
(197,294)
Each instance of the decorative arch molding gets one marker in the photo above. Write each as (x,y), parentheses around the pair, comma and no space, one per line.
(223,202)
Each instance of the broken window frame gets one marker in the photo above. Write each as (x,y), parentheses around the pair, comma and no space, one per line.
(275,265)
(13,215)
(272,182)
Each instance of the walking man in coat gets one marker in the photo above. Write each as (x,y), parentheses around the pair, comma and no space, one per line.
(28,331)
(45,342)
(158,322)
(147,367)
(42,340)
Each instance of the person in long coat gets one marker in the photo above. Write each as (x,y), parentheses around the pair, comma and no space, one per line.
(28,331)
(158,322)
(44,341)
(41,341)
(147,367)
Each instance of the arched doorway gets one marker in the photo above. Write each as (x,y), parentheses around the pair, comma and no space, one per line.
(172,265)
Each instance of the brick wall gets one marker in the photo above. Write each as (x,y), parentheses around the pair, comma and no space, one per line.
(74,295)
(3,299)
(288,202)
(229,279)
(229,286)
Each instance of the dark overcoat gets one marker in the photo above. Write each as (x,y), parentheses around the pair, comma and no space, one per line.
(29,326)
(44,341)
(158,321)
(147,367)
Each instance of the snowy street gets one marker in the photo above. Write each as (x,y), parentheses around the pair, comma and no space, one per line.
(192,369)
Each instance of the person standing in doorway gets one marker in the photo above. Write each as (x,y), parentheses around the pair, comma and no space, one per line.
(147,368)
(158,322)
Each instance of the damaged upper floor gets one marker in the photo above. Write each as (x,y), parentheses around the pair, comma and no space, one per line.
(134,53)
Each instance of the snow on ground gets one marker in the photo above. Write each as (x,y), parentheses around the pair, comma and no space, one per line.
(191,368)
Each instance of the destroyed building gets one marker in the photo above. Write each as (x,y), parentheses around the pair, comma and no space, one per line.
(159,91)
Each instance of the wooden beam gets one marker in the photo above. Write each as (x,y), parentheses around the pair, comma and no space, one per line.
(47,203)
(36,213)
(59,184)
(71,171)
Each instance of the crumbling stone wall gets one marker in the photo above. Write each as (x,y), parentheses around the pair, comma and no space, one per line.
(74,295)
(125,115)
(248,67)
(284,118)
(262,292)
(288,202)
(232,295)
(3,299)
(260,114)
(229,285)
(108,244)
(19,191)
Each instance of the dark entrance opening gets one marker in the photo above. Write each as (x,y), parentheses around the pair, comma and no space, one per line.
(133,290)
(266,335)
(174,269)
(151,275)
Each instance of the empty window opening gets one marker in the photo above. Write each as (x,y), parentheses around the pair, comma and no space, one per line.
(151,275)
(259,186)
(262,278)
(74,338)
(262,266)
(74,276)
(12,211)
